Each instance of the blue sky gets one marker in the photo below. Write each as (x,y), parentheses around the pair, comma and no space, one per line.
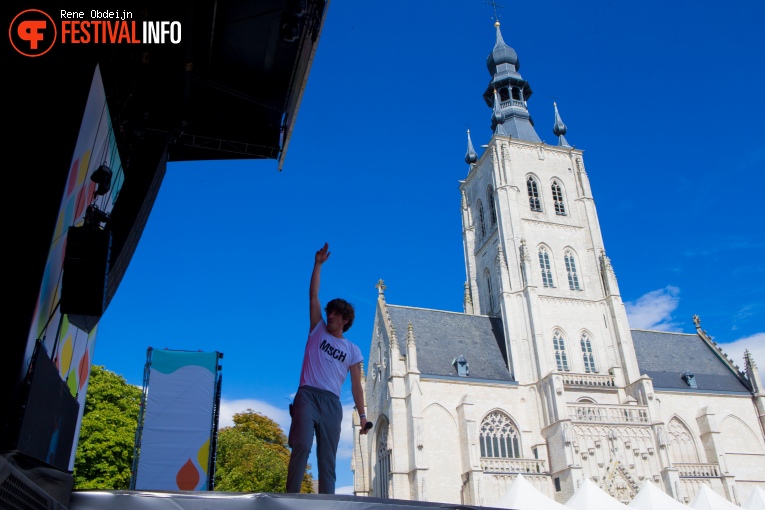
(662,97)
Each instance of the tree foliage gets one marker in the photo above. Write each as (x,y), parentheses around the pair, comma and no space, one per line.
(252,456)
(105,448)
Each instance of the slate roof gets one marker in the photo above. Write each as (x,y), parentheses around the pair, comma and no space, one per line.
(666,356)
(442,336)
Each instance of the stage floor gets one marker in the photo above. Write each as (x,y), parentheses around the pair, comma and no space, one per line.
(158,500)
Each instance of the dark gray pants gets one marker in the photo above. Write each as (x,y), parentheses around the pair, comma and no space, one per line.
(314,411)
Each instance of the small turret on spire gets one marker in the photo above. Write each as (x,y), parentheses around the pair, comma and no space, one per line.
(559,128)
(498,117)
(752,373)
(467,301)
(471,157)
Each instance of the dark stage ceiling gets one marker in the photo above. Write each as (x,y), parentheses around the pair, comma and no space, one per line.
(230,90)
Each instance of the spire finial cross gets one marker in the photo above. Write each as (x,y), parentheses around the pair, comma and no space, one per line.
(494,4)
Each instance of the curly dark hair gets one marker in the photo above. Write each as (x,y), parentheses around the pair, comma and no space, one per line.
(344,308)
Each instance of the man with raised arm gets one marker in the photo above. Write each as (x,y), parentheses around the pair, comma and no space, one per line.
(327,360)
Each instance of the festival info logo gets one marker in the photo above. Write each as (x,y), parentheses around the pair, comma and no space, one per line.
(32,33)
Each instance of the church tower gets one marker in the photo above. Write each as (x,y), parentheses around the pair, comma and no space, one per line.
(534,253)
(541,376)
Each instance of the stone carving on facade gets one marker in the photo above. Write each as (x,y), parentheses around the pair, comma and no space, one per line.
(620,483)
(661,436)
(567,301)
(505,152)
(552,225)
(500,259)
(524,252)
(568,437)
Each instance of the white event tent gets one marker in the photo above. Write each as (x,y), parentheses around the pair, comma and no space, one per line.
(652,497)
(523,496)
(707,499)
(591,497)
(756,500)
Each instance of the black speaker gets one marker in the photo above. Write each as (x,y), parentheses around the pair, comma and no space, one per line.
(48,414)
(86,266)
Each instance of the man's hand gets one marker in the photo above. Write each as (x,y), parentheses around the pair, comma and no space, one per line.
(323,254)
(363,425)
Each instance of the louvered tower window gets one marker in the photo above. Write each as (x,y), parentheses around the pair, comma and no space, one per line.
(559,345)
(544,266)
(573,277)
(557,194)
(533,189)
(481,220)
(490,293)
(587,356)
(492,209)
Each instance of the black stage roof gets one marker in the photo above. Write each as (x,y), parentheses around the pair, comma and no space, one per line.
(230,90)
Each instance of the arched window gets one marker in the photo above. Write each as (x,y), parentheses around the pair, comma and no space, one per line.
(533,190)
(557,194)
(499,438)
(481,220)
(382,469)
(516,94)
(503,94)
(544,266)
(492,208)
(587,356)
(681,446)
(573,276)
(559,345)
(490,294)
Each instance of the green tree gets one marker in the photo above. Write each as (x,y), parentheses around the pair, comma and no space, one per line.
(252,456)
(105,449)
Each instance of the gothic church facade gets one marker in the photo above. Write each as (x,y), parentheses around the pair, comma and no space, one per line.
(541,375)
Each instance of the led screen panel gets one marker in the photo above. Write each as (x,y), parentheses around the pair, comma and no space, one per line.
(70,348)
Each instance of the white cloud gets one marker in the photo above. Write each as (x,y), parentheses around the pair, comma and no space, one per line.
(345,448)
(347,489)
(653,310)
(755,344)
(228,408)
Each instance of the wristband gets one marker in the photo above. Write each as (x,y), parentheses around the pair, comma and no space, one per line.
(362,416)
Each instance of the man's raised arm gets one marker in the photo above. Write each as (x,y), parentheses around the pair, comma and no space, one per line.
(313,291)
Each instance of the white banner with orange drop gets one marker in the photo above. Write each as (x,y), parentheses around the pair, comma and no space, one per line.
(179,421)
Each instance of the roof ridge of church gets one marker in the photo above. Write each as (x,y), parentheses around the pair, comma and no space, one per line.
(443,311)
(660,331)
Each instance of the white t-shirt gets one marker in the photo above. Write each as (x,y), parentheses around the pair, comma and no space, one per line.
(327,359)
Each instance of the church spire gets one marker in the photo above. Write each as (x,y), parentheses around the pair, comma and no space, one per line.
(559,128)
(470,157)
(507,93)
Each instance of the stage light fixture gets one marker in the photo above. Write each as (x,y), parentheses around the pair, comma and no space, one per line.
(290,31)
(298,8)
(103,177)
